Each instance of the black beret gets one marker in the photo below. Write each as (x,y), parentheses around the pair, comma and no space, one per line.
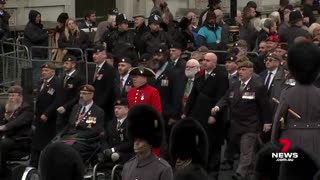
(70,58)
(145,57)
(125,60)
(122,102)
(98,48)
(121,18)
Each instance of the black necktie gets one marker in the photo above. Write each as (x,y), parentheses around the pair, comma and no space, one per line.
(268,80)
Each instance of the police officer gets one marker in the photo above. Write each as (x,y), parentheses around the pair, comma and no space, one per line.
(72,81)
(145,129)
(124,78)
(154,36)
(48,100)
(250,110)
(118,38)
(142,92)
(117,147)
(14,125)
(85,124)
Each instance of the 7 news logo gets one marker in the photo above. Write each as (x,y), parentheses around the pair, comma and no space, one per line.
(284,155)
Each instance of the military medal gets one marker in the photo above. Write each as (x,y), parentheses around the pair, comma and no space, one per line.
(51,91)
(142,96)
(121,137)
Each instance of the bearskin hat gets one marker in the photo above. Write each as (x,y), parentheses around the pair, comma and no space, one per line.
(266,166)
(145,122)
(304,167)
(303,62)
(188,140)
(59,161)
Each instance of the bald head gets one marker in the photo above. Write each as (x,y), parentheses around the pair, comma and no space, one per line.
(219,15)
(210,61)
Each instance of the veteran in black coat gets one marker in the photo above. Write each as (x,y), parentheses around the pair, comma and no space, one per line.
(208,88)
(48,100)
(104,83)
(85,125)
(15,126)
(72,81)
(250,111)
(117,134)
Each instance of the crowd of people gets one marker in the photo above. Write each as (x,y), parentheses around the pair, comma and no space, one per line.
(166,116)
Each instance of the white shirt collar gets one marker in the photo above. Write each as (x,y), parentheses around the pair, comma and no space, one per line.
(48,80)
(125,77)
(246,83)
(121,120)
(100,65)
(175,61)
(88,23)
(274,71)
(88,106)
(234,73)
(70,73)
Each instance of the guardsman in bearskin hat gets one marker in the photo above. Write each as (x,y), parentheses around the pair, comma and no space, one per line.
(72,80)
(59,161)
(299,103)
(188,144)
(48,100)
(85,124)
(142,92)
(146,130)
(14,125)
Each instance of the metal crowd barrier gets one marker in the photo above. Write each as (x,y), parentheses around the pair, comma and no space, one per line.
(14,60)
(82,64)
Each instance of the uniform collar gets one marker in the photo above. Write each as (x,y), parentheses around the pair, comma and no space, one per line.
(148,160)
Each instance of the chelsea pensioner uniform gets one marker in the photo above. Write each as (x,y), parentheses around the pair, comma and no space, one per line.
(145,95)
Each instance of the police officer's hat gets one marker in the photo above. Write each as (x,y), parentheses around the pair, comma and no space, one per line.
(2,1)
(121,102)
(98,48)
(121,18)
(154,18)
(125,60)
(303,62)
(48,65)
(69,58)
(142,71)
(145,57)
(188,140)
(87,88)
(247,64)
(145,122)
(15,89)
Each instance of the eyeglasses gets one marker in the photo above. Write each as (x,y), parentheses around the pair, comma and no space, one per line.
(190,67)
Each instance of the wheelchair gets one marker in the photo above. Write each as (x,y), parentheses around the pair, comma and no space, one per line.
(96,170)
(17,163)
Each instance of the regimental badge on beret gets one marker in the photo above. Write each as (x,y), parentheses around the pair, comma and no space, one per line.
(69,59)
(123,60)
(160,50)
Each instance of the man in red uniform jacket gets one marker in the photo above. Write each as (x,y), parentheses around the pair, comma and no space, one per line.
(142,92)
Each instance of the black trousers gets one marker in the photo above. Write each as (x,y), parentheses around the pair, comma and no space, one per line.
(86,150)
(6,146)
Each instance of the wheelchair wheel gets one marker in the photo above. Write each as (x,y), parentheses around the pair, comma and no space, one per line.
(30,174)
(101,177)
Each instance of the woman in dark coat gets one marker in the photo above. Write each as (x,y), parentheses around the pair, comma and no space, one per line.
(73,37)
(302,128)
